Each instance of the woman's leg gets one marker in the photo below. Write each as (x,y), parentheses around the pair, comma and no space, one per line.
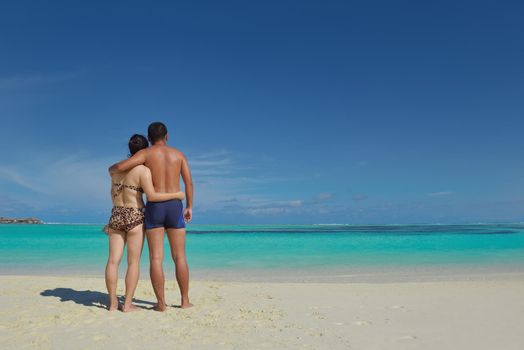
(116,249)
(135,242)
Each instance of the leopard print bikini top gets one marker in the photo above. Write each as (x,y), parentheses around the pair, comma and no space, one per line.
(118,188)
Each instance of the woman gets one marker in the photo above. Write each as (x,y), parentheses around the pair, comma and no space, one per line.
(126,223)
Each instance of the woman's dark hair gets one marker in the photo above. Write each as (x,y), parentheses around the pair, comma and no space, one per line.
(136,143)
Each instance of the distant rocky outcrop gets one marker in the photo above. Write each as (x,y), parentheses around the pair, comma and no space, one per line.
(20,221)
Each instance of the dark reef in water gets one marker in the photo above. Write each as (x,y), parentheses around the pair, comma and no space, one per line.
(20,221)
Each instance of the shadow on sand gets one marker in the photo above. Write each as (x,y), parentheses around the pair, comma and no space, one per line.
(87,297)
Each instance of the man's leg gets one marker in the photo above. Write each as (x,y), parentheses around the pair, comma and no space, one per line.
(155,241)
(116,249)
(177,242)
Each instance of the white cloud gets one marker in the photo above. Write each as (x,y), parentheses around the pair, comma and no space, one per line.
(439,194)
(266,211)
(274,207)
(222,185)
(295,203)
(68,179)
(59,181)
(12,175)
(324,196)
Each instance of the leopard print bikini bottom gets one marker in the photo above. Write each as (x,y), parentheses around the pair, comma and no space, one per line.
(125,219)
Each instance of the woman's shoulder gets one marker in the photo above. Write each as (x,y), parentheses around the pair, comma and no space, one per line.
(139,169)
(139,172)
(118,176)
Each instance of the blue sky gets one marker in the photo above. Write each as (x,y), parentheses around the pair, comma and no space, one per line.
(289,111)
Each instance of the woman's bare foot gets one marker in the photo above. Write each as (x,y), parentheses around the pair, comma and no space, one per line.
(130,308)
(160,308)
(113,307)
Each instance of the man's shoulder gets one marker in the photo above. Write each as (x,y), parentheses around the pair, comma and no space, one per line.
(145,152)
(155,151)
(175,151)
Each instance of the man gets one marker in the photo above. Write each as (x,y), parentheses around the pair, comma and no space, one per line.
(167,164)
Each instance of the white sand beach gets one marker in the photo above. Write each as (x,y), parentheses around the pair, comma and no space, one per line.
(68,313)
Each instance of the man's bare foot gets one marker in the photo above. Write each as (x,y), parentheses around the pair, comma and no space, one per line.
(160,307)
(130,308)
(186,305)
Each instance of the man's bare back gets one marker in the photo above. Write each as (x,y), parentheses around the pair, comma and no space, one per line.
(165,164)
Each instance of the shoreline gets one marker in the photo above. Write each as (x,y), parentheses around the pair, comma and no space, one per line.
(508,277)
(68,312)
(144,278)
(368,274)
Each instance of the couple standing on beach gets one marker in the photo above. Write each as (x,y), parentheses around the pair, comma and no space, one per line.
(154,170)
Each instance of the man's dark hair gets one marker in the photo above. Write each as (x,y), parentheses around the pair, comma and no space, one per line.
(156,131)
(136,143)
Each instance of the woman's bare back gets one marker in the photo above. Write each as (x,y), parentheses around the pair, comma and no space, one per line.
(126,190)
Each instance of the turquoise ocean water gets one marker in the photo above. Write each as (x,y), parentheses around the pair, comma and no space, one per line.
(269,250)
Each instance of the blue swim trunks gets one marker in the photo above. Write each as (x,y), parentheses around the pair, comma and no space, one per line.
(168,214)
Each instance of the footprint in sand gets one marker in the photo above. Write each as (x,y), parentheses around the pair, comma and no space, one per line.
(391,307)
(398,307)
(100,337)
(318,315)
(407,337)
